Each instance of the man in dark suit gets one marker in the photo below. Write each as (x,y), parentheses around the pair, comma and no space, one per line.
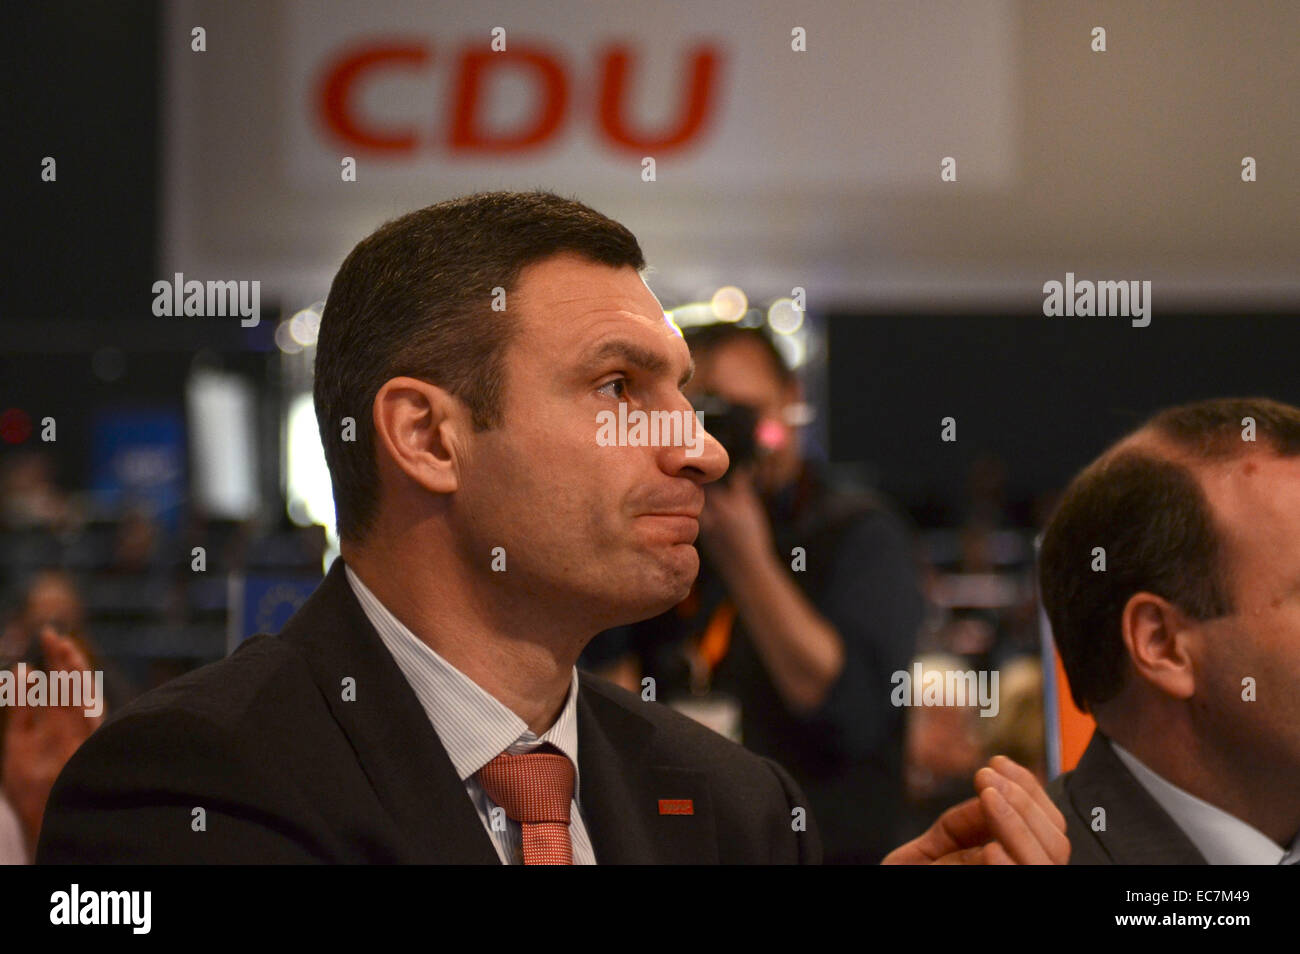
(286,770)
(424,704)
(1171,576)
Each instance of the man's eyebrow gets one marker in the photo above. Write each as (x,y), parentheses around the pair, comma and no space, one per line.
(641,358)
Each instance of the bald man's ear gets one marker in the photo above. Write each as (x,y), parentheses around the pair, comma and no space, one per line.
(1158,637)
(418,429)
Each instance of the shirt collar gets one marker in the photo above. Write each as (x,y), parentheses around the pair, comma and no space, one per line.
(1222,838)
(473,726)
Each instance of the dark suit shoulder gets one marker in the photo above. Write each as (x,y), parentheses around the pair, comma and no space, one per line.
(220,739)
(1085,849)
(748,789)
(1131,827)
(262,673)
(679,740)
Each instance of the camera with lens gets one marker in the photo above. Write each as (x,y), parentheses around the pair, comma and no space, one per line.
(734,426)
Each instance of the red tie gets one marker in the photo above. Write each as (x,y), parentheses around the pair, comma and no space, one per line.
(536,790)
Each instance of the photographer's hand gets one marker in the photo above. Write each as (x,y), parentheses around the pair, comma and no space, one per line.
(733,526)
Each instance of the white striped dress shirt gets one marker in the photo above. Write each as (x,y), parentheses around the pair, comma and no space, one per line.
(474,727)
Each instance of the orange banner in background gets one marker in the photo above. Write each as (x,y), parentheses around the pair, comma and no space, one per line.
(1075,726)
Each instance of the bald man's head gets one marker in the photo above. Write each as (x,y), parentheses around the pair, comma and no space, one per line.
(1142,511)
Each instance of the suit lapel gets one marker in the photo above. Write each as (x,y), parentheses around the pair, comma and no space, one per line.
(621,793)
(390,732)
(1138,831)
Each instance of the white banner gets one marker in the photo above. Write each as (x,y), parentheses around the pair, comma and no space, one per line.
(736,138)
(735,96)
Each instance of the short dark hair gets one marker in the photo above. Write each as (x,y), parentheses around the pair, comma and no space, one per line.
(1153,520)
(705,338)
(415,299)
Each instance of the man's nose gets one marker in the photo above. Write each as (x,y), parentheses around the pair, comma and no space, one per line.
(702,458)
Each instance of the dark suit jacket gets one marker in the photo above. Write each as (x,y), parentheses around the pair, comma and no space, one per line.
(1138,831)
(286,771)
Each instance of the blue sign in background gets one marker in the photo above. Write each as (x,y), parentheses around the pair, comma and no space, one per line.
(263,602)
(138,457)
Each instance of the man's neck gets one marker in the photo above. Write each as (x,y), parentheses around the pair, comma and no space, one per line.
(510,653)
(1231,784)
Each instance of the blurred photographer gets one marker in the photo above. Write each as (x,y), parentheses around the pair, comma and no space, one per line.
(806,602)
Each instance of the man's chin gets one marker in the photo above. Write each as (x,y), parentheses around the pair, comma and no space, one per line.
(661,588)
(679,575)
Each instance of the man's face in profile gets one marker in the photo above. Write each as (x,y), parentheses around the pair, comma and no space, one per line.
(608,529)
(1256,503)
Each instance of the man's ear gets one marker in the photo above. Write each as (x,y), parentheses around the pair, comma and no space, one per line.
(418,427)
(1158,637)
